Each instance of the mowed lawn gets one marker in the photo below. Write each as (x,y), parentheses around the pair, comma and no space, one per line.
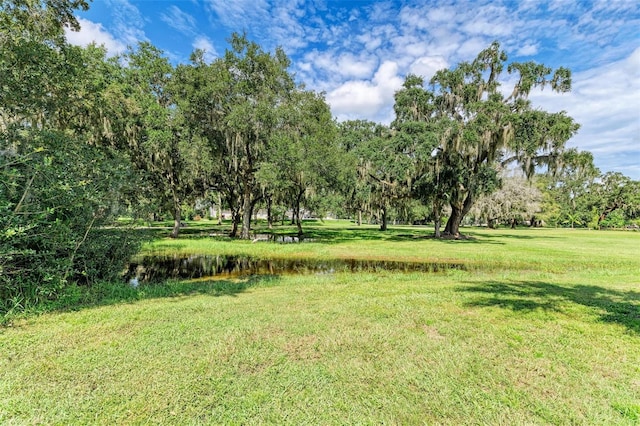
(543,327)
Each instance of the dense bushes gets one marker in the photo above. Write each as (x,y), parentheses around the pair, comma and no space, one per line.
(56,195)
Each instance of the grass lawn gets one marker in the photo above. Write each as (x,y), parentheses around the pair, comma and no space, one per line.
(542,328)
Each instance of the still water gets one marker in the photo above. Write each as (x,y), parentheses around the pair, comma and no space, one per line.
(155,268)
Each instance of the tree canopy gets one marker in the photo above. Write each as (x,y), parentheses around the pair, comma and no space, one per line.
(478,128)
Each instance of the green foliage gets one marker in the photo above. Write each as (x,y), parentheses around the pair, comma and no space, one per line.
(380,167)
(615,192)
(152,131)
(470,129)
(58,184)
(355,186)
(53,199)
(616,219)
(83,137)
(578,195)
(301,164)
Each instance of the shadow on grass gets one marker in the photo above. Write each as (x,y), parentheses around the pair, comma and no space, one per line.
(107,294)
(613,306)
(317,231)
(393,234)
(211,287)
(325,232)
(500,235)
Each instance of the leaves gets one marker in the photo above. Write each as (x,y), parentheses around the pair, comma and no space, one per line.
(473,129)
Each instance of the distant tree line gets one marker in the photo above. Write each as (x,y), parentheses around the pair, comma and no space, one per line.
(85,138)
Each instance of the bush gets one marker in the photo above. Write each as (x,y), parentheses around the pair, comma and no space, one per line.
(56,195)
(615,219)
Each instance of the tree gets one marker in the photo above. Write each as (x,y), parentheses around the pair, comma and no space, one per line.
(414,108)
(154,132)
(478,128)
(57,184)
(301,156)
(202,91)
(352,136)
(390,170)
(614,191)
(565,192)
(517,200)
(258,85)
(234,103)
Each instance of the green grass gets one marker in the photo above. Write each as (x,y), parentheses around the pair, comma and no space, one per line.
(545,329)
(549,250)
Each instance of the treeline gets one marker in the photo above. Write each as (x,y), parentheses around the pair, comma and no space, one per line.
(85,138)
(577,195)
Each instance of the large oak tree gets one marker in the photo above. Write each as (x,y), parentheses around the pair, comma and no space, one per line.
(479,127)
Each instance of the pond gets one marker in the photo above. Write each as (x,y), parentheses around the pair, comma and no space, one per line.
(155,268)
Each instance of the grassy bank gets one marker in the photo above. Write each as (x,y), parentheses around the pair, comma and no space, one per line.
(545,329)
(534,249)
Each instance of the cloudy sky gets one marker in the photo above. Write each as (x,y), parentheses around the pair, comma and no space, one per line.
(358,52)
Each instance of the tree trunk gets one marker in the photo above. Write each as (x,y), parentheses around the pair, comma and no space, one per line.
(491,223)
(383,225)
(269,213)
(605,213)
(219,209)
(437,214)
(177,215)
(299,225)
(296,210)
(458,212)
(453,223)
(234,228)
(234,206)
(235,221)
(359,217)
(246,214)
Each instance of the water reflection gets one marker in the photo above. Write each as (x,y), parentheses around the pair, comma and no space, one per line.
(154,268)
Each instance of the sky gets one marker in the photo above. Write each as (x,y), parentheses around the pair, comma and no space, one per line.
(358,52)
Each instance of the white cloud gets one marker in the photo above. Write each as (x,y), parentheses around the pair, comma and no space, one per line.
(351,66)
(179,20)
(381,11)
(92,32)
(347,49)
(606,103)
(128,21)
(527,50)
(369,41)
(444,14)
(240,13)
(366,99)
(205,44)
(490,20)
(470,48)
(427,66)
(355,99)
(340,66)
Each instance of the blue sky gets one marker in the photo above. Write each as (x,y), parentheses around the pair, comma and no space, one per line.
(358,52)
